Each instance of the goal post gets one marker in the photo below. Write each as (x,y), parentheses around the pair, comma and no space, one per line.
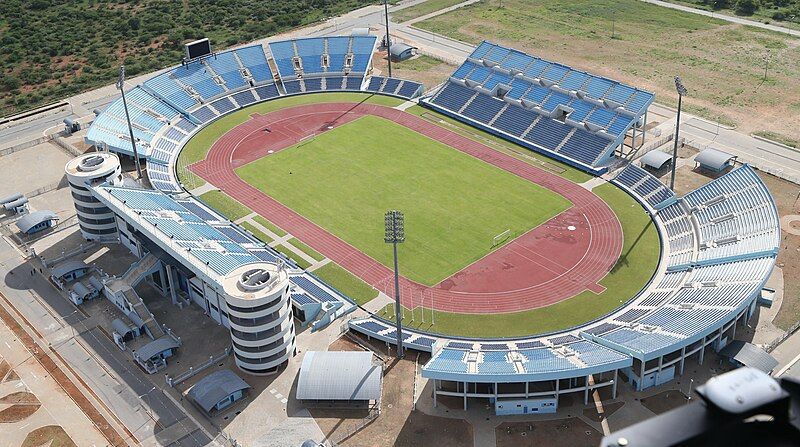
(501,237)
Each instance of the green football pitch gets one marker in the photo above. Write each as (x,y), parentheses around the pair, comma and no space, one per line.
(344,180)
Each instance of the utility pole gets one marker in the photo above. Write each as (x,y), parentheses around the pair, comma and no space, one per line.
(388,40)
(395,234)
(121,87)
(681,91)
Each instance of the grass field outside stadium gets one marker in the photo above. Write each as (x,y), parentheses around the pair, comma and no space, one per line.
(335,157)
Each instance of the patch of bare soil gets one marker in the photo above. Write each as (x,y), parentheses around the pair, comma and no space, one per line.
(571,432)
(16,413)
(20,397)
(665,401)
(608,410)
(49,435)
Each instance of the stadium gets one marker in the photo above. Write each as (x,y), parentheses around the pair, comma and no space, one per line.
(554,268)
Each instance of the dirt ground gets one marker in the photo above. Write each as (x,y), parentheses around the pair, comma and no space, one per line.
(664,401)
(572,432)
(398,424)
(50,435)
(608,410)
(427,70)
(16,413)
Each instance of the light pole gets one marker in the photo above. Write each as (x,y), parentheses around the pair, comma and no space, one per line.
(388,41)
(681,91)
(395,234)
(121,87)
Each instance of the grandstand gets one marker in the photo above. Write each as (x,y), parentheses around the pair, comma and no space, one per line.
(720,244)
(167,109)
(570,115)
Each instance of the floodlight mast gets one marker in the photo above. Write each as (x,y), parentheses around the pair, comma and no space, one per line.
(121,87)
(388,39)
(395,234)
(681,91)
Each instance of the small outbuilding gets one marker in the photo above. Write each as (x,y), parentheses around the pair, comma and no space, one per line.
(741,353)
(126,332)
(218,390)
(36,221)
(655,160)
(401,51)
(714,160)
(346,378)
(152,356)
(69,270)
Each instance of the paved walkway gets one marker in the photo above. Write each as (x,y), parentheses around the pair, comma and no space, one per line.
(727,18)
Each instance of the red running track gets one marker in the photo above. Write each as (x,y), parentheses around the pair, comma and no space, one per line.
(557,260)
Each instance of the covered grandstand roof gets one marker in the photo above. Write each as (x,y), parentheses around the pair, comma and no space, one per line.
(714,159)
(655,159)
(571,115)
(748,354)
(339,375)
(215,387)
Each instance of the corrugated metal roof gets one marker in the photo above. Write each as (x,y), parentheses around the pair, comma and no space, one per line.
(81,290)
(655,159)
(749,355)
(29,221)
(156,347)
(215,387)
(339,376)
(120,327)
(67,266)
(713,158)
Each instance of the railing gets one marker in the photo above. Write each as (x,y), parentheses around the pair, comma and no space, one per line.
(192,371)
(24,145)
(66,146)
(67,254)
(774,343)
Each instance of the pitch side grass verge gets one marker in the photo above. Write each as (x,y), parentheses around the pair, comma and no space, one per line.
(345,179)
(637,262)
(197,148)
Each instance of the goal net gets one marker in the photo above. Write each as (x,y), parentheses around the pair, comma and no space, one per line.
(500,238)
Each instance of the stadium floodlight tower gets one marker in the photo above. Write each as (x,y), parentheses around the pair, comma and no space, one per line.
(681,91)
(121,87)
(395,234)
(388,39)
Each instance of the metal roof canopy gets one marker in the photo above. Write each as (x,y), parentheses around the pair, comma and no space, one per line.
(750,355)
(156,347)
(339,375)
(215,387)
(68,266)
(655,159)
(399,48)
(29,221)
(81,290)
(714,159)
(120,327)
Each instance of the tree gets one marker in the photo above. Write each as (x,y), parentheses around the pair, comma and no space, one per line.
(746,7)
